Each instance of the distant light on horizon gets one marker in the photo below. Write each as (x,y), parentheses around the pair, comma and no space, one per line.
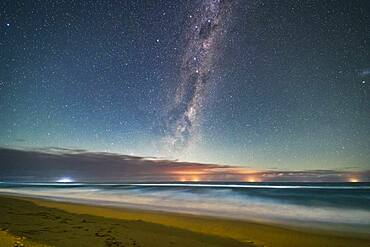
(251,179)
(65,180)
(189,179)
(354,180)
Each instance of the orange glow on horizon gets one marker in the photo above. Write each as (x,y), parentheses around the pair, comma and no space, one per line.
(251,179)
(354,180)
(213,171)
(189,179)
(197,174)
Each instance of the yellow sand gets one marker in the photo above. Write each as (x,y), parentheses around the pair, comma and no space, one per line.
(59,228)
(266,235)
(9,240)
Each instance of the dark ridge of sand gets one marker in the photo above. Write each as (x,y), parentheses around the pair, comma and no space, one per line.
(55,227)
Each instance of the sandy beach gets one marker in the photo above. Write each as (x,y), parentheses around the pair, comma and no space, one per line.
(38,222)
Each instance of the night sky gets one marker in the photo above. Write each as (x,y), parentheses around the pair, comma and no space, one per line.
(262,84)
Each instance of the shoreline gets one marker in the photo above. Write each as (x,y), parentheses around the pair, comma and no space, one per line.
(346,229)
(245,232)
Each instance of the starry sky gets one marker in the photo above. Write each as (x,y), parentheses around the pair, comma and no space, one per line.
(274,85)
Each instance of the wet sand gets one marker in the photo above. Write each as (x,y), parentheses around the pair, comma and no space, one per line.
(53,223)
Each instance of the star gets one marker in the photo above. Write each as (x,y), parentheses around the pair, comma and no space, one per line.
(221,78)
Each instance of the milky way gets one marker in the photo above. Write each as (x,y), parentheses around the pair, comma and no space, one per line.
(207,28)
(274,85)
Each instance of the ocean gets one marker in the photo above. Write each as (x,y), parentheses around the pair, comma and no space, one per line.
(334,206)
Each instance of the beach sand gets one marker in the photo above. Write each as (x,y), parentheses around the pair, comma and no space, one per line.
(39,222)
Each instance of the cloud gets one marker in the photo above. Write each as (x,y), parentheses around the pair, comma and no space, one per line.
(49,164)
